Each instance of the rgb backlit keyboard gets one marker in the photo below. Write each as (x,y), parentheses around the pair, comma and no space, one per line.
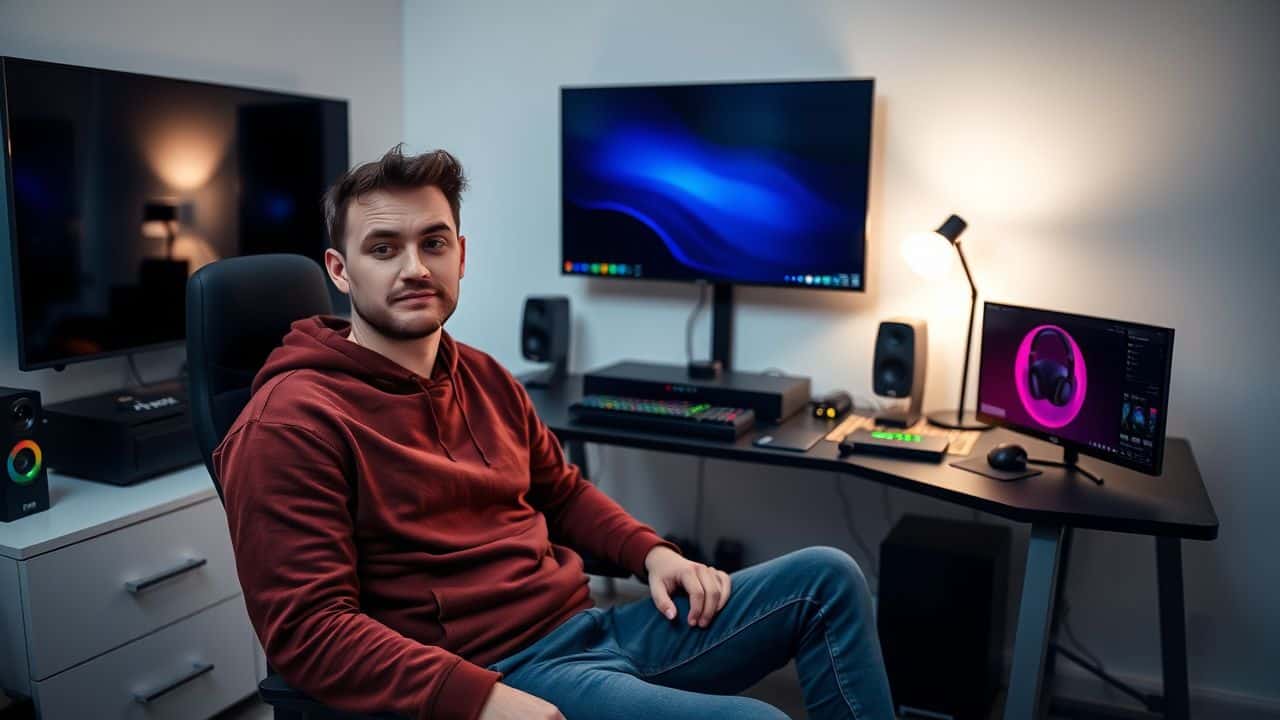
(666,416)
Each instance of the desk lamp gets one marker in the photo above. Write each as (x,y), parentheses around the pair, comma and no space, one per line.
(164,212)
(926,254)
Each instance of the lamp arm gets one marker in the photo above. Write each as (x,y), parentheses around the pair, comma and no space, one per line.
(973,289)
(968,337)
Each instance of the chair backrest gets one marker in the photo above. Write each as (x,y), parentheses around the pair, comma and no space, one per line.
(238,311)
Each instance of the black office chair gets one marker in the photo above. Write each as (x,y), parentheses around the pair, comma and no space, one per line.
(238,311)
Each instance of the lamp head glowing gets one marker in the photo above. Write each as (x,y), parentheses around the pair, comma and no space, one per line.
(929,254)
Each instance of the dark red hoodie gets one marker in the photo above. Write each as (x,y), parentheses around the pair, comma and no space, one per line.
(392,531)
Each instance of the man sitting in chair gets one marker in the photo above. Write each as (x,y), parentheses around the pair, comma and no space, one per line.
(391,495)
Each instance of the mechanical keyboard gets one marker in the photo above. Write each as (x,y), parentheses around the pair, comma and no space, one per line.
(665,416)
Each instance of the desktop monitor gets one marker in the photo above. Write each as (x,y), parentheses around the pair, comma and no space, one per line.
(760,183)
(119,186)
(1100,387)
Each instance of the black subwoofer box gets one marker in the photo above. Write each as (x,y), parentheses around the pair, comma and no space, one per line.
(122,439)
(941,615)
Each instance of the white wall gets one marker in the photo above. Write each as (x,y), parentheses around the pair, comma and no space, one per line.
(1113,159)
(332,49)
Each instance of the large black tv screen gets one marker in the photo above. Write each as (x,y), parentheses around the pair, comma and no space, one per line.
(121,185)
(760,183)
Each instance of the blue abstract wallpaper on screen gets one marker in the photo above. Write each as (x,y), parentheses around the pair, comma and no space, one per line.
(762,183)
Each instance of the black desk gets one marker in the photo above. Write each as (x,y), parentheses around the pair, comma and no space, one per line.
(1170,508)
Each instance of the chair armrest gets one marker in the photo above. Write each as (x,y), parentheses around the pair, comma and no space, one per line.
(277,693)
(593,565)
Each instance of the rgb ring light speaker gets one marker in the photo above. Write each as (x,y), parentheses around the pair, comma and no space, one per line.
(24,488)
(1050,379)
(25,462)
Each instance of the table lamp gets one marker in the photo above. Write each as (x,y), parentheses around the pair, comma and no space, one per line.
(165,212)
(927,255)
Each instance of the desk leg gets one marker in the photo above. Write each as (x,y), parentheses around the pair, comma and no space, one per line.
(1034,611)
(1173,628)
(1059,605)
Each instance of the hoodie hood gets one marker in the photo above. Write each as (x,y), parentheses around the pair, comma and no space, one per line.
(320,344)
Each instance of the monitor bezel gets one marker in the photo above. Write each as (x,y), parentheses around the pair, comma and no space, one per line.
(1157,468)
(719,280)
(7,161)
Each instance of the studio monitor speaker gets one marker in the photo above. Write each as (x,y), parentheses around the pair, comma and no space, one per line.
(25,488)
(544,337)
(897,369)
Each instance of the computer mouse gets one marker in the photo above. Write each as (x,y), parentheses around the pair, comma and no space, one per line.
(1008,456)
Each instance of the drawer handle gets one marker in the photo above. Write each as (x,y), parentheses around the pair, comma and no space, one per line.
(138,586)
(197,669)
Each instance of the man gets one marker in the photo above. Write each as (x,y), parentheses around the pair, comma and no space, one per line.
(393,499)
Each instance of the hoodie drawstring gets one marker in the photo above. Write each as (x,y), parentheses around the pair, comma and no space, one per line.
(467,421)
(431,406)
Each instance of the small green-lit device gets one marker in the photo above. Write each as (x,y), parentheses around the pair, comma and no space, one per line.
(907,445)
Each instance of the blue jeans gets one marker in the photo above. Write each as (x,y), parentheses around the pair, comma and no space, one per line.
(629,662)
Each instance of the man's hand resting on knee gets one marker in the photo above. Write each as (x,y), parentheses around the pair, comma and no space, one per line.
(508,703)
(707,587)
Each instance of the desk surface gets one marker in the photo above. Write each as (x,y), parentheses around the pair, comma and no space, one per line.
(80,509)
(1174,504)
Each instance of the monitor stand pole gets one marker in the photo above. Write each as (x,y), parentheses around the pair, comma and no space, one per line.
(1069,458)
(722,325)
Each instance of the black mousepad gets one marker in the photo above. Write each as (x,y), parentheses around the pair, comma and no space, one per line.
(796,436)
(982,467)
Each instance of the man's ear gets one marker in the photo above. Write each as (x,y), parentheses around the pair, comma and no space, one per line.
(462,264)
(336,265)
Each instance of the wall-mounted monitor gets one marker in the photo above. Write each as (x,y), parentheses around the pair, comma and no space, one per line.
(761,183)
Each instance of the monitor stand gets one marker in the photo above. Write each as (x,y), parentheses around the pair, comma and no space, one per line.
(722,325)
(1069,458)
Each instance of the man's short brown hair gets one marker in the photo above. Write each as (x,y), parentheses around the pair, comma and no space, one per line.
(395,171)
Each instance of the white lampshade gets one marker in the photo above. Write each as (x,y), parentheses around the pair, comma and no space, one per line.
(928,254)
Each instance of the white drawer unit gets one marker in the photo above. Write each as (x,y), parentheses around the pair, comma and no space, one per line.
(123,602)
(192,668)
(93,596)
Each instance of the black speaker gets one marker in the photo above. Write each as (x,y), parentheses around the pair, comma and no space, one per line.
(25,488)
(544,337)
(897,369)
(941,615)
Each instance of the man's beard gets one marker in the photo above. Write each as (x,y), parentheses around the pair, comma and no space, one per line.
(382,322)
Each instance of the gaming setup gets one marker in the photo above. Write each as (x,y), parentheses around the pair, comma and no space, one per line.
(766,184)
(120,186)
(747,183)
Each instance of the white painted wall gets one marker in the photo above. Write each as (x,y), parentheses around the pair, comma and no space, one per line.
(333,49)
(1113,159)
